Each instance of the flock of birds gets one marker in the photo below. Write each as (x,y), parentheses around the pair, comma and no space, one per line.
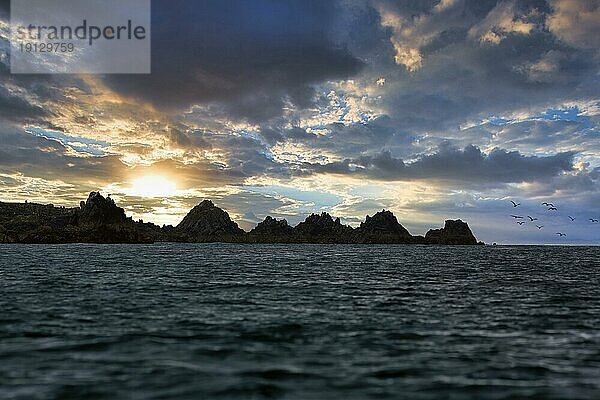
(521,220)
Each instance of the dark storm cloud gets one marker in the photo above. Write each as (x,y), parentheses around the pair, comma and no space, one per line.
(248,56)
(470,83)
(448,163)
(473,59)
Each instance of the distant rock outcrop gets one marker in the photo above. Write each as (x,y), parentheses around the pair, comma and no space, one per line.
(271,230)
(98,210)
(100,220)
(207,222)
(453,232)
(383,227)
(322,228)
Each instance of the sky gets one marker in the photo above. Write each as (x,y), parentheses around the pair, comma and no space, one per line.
(433,109)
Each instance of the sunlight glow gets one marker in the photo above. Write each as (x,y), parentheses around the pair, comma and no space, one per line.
(153,186)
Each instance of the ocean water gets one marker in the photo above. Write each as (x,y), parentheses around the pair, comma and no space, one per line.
(223,321)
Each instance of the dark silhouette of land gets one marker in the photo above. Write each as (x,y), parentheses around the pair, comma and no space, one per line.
(100,220)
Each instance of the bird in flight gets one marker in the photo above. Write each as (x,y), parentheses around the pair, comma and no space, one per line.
(548,204)
(561,234)
(593,220)
(515,204)
(552,209)
(571,218)
(539,226)
(531,218)
(517,216)
(520,222)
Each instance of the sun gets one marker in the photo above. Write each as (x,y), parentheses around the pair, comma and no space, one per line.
(153,186)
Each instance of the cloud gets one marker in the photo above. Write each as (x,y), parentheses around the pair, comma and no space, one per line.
(545,69)
(40,157)
(462,83)
(250,58)
(420,27)
(501,21)
(576,22)
(411,32)
(448,163)
(537,134)
(407,54)
(15,104)
(456,79)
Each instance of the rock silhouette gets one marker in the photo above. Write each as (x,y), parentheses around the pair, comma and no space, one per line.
(271,230)
(97,220)
(453,232)
(321,228)
(384,227)
(100,220)
(98,210)
(208,223)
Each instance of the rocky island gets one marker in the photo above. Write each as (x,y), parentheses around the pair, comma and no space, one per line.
(100,220)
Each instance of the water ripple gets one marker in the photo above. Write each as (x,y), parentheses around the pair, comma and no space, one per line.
(299,322)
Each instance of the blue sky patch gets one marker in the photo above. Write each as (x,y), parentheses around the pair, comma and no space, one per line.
(79,144)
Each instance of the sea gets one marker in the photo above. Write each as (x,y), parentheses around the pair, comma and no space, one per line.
(227,321)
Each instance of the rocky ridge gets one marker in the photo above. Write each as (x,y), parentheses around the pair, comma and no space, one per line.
(100,220)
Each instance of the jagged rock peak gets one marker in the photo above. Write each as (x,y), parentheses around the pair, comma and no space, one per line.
(453,232)
(318,224)
(206,204)
(271,226)
(320,219)
(97,198)
(206,219)
(100,210)
(383,222)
